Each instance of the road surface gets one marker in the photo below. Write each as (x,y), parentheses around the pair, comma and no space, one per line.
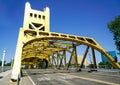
(62,77)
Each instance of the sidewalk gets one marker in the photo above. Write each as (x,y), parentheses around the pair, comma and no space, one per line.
(5,77)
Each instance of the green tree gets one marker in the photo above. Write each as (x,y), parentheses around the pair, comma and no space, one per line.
(102,63)
(106,65)
(1,63)
(8,64)
(114,27)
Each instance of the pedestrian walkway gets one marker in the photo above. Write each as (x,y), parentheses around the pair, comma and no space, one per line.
(5,77)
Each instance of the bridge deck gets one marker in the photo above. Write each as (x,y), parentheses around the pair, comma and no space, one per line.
(58,77)
(61,77)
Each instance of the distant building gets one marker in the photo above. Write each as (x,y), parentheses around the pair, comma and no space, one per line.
(79,58)
(112,53)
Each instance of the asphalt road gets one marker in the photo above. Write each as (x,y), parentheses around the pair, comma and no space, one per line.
(62,77)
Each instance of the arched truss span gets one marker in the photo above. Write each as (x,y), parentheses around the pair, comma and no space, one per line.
(48,44)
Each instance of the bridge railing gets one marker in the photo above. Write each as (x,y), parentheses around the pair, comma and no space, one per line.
(5,68)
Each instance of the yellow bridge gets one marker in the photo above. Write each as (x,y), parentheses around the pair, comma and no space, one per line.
(38,46)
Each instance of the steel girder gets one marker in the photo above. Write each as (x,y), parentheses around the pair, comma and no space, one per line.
(66,41)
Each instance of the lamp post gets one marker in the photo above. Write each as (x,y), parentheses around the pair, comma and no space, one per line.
(4,53)
(12,63)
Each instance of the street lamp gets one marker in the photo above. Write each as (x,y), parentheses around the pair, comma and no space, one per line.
(4,53)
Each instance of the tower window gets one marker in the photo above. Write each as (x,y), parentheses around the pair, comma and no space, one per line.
(43,17)
(31,14)
(39,16)
(35,15)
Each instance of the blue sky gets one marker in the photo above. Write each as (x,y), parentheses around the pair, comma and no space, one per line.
(78,17)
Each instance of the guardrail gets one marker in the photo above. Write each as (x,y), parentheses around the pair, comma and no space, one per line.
(5,68)
(97,69)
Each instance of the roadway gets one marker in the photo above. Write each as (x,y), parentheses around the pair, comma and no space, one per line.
(62,77)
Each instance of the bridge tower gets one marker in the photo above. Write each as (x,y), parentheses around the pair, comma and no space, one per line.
(34,22)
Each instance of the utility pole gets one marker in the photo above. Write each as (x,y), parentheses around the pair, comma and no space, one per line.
(4,53)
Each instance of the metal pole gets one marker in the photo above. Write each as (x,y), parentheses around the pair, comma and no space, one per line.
(12,63)
(81,65)
(94,59)
(4,52)
(85,63)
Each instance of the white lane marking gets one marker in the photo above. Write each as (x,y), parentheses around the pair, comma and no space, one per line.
(66,77)
(30,78)
(48,78)
(94,80)
(44,79)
